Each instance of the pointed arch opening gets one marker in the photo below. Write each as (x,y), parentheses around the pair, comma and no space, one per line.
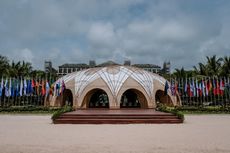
(133,98)
(160,97)
(67,98)
(96,98)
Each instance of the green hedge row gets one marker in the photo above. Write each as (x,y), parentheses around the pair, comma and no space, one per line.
(59,112)
(28,109)
(205,110)
(172,110)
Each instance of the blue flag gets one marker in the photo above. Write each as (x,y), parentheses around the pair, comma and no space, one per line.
(166,88)
(1,87)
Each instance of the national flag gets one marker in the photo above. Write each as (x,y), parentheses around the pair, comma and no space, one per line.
(37,87)
(17,88)
(203,88)
(47,88)
(166,88)
(172,88)
(13,88)
(43,88)
(207,87)
(52,90)
(30,88)
(192,88)
(63,86)
(25,86)
(200,89)
(6,88)
(21,88)
(185,86)
(9,89)
(33,84)
(197,88)
(57,88)
(222,87)
(1,87)
(214,86)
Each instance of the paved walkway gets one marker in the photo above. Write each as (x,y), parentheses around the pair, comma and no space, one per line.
(36,134)
(117,111)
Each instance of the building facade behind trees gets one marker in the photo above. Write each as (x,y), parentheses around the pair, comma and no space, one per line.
(69,68)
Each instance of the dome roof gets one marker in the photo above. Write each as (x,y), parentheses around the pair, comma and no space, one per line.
(114,77)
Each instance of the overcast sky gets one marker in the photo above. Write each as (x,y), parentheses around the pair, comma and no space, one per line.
(143,31)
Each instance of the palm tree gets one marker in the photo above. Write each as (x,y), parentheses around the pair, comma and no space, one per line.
(20,70)
(225,70)
(202,70)
(181,73)
(4,65)
(214,65)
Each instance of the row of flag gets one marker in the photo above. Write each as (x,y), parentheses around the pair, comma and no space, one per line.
(192,87)
(11,87)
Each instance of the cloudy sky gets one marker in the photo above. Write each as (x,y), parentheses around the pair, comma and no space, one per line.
(143,31)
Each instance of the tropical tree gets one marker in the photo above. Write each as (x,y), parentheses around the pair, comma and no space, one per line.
(20,70)
(214,65)
(225,70)
(4,65)
(181,73)
(202,70)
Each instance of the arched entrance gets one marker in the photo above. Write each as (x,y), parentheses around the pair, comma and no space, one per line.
(98,99)
(160,97)
(133,98)
(67,98)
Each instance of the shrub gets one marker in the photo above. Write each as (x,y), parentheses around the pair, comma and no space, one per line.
(172,110)
(59,112)
(28,109)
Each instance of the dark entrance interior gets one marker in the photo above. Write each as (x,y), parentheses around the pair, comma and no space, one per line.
(130,99)
(67,98)
(99,99)
(160,97)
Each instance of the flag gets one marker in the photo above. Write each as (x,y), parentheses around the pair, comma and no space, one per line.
(192,88)
(62,86)
(30,88)
(203,88)
(37,87)
(197,88)
(52,90)
(33,86)
(10,86)
(57,88)
(43,88)
(200,89)
(185,85)
(207,87)
(172,88)
(217,87)
(47,88)
(210,86)
(17,89)
(13,88)
(222,87)
(25,87)
(6,88)
(21,87)
(166,88)
(214,86)
(1,87)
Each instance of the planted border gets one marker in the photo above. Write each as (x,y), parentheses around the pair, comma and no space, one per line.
(28,109)
(172,110)
(59,112)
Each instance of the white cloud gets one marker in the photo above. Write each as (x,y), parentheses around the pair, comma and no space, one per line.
(22,55)
(143,31)
(102,34)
